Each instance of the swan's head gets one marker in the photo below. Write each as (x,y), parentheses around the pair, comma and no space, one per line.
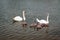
(23,11)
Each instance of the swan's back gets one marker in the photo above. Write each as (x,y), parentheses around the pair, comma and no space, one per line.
(42,21)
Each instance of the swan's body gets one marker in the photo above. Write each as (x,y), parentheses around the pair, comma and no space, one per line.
(42,21)
(18,18)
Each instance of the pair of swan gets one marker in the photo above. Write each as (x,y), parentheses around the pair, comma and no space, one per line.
(40,22)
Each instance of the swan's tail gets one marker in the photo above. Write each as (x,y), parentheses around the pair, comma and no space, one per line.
(37,20)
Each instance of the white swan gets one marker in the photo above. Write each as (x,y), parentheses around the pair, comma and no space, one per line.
(42,21)
(18,18)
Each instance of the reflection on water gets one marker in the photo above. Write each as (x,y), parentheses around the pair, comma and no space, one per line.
(34,9)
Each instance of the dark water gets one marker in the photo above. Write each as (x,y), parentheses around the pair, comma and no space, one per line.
(34,9)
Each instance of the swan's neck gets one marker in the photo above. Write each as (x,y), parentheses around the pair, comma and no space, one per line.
(48,18)
(24,16)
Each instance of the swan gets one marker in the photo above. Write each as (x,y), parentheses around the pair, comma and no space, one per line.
(18,18)
(42,21)
(22,19)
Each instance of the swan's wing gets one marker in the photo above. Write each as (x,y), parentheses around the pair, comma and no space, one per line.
(17,18)
(43,21)
(37,20)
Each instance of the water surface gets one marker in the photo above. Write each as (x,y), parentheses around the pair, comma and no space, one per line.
(34,9)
